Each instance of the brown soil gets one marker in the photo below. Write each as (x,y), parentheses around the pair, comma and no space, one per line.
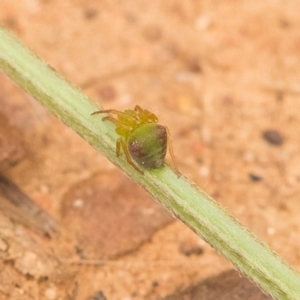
(222,75)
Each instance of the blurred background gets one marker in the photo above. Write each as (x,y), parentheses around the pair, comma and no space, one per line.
(223,76)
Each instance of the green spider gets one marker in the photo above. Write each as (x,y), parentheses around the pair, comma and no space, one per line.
(141,138)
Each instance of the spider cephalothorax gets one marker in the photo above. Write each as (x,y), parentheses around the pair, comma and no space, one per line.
(141,138)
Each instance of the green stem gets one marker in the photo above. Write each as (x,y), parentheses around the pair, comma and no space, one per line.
(181,197)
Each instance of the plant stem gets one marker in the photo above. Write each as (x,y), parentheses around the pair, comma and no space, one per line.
(181,197)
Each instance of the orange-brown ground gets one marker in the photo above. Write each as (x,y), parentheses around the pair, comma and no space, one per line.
(218,74)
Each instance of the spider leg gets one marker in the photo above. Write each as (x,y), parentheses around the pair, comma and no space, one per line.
(145,115)
(118,146)
(113,120)
(117,122)
(138,108)
(116,112)
(171,151)
(109,118)
(122,143)
(121,116)
(108,111)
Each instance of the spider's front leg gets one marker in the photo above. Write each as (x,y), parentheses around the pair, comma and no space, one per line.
(108,111)
(109,117)
(171,151)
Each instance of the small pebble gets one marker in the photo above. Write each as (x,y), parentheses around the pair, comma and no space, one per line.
(189,249)
(3,245)
(78,203)
(204,171)
(51,293)
(98,296)
(90,13)
(194,65)
(255,177)
(273,137)
(203,22)
(271,231)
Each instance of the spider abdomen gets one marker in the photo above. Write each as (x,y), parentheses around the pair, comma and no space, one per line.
(147,145)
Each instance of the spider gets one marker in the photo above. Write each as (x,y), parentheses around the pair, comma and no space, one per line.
(143,141)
